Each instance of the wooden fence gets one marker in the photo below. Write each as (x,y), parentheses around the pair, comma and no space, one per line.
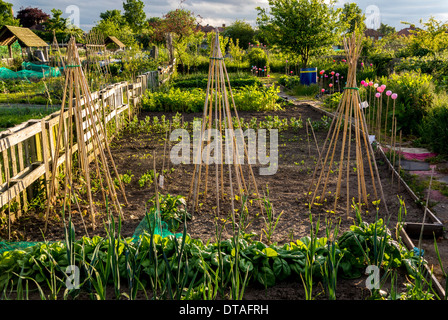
(27,150)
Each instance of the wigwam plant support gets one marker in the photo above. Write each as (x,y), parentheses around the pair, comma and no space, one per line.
(349,122)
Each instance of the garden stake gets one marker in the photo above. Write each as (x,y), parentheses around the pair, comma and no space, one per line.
(349,105)
(216,88)
(77,84)
(308,139)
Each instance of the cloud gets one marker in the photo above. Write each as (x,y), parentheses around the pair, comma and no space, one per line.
(217,12)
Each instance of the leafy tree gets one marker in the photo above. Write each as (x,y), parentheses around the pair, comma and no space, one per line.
(114,15)
(6,14)
(181,23)
(56,22)
(134,14)
(300,27)
(236,52)
(110,27)
(29,16)
(352,17)
(240,30)
(386,30)
(430,39)
(62,27)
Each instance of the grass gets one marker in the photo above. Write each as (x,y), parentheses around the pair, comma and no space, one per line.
(12,116)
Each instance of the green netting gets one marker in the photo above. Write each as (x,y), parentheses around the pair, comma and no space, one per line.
(160,227)
(47,71)
(29,71)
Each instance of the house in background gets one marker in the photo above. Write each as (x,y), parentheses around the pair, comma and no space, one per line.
(406,31)
(375,35)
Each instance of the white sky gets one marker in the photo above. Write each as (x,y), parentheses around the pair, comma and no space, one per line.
(217,12)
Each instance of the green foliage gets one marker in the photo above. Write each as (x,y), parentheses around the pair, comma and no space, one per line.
(352,17)
(434,129)
(258,57)
(240,31)
(134,14)
(332,101)
(6,14)
(415,98)
(249,98)
(172,210)
(10,117)
(201,82)
(301,28)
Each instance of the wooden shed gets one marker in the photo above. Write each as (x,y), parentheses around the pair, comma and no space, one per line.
(115,41)
(26,37)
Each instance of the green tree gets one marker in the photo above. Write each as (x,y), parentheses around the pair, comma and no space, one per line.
(240,30)
(236,52)
(114,15)
(386,30)
(181,23)
(134,14)
(6,15)
(430,39)
(352,17)
(300,27)
(56,22)
(111,27)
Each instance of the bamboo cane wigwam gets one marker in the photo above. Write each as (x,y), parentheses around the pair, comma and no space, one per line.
(349,120)
(83,121)
(218,107)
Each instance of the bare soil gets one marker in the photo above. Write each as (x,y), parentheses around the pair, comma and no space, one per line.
(288,193)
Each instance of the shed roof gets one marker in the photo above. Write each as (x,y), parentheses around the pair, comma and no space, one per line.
(9,34)
(112,39)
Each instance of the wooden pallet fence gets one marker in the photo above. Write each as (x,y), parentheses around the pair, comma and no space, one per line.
(27,150)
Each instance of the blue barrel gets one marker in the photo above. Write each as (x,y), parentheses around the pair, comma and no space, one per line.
(308,76)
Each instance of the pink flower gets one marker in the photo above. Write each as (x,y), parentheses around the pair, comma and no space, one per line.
(366,84)
(388,92)
(371,64)
(362,82)
(337,74)
(322,72)
(380,89)
(323,90)
(377,94)
(330,85)
(362,64)
(332,72)
(268,76)
(394,96)
(383,86)
(370,83)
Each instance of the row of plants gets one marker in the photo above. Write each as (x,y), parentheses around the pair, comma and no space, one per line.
(161,125)
(180,267)
(248,98)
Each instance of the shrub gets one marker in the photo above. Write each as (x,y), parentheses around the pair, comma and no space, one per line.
(415,99)
(258,57)
(249,98)
(332,101)
(434,129)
